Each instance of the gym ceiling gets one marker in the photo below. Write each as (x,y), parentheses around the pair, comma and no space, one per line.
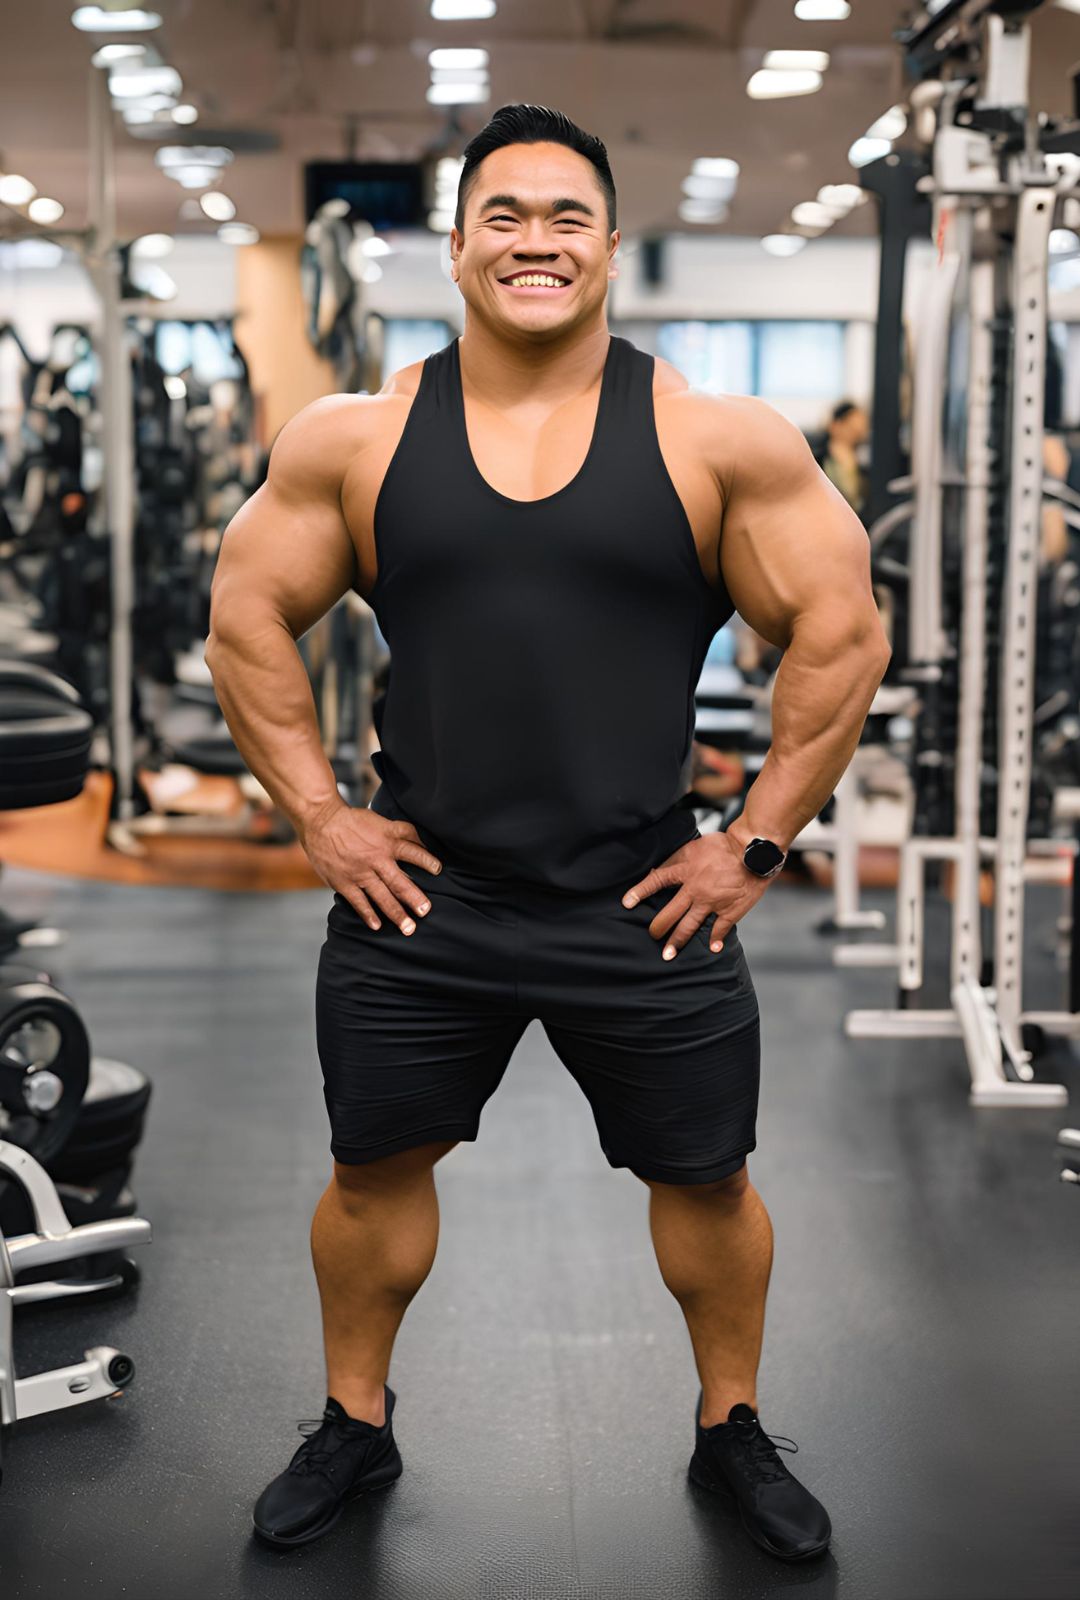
(281,82)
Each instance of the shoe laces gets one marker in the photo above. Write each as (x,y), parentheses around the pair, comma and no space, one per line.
(760,1453)
(319,1457)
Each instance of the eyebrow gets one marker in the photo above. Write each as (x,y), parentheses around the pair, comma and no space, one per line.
(556,205)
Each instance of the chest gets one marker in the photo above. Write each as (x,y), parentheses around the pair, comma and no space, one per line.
(533,455)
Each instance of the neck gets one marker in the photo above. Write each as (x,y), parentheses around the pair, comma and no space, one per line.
(503,373)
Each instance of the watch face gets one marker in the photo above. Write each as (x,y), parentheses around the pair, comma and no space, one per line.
(762,856)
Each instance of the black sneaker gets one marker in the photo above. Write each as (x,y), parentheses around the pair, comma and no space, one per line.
(737,1458)
(339,1460)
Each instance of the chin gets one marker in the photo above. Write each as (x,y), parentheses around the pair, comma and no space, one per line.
(550,319)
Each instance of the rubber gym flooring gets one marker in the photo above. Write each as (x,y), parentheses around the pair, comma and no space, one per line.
(920,1339)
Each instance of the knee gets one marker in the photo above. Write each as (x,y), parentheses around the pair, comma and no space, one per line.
(389,1172)
(732,1187)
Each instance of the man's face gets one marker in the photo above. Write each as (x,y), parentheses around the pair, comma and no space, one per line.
(855,427)
(534,208)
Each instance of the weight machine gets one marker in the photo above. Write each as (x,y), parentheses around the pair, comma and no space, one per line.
(1000,180)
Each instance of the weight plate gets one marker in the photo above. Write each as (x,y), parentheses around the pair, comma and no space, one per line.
(40,1033)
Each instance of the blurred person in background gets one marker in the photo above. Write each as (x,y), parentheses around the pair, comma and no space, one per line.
(841,458)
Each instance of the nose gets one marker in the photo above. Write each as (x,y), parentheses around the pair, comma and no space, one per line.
(535,254)
(534,241)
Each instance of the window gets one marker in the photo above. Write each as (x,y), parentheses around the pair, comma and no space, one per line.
(715,357)
(799,359)
(778,360)
(409,339)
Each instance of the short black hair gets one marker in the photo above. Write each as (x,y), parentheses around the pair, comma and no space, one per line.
(524,124)
(844,409)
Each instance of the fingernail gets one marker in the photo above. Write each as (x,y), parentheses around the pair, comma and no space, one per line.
(424,909)
(669,951)
(629,900)
(716,947)
(408,925)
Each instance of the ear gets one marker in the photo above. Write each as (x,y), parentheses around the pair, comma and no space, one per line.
(613,267)
(456,242)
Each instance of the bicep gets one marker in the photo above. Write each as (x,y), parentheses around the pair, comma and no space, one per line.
(791,545)
(287,551)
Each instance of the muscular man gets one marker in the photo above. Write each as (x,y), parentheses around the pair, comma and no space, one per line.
(551,527)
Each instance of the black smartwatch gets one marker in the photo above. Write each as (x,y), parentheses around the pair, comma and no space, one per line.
(764,858)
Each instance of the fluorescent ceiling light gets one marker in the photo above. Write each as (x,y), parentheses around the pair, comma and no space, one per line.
(702,211)
(462,10)
(93,19)
(136,84)
(169,156)
(135,116)
(16,190)
(458,94)
(716,189)
(811,215)
(152,246)
(780,85)
(1062,240)
(460,75)
(238,233)
(863,151)
(111,53)
(841,197)
(151,102)
(715,167)
(795,60)
(375,247)
(174,386)
(442,60)
(45,210)
(890,125)
(217,206)
(185,114)
(822,10)
(198,175)
(783,244)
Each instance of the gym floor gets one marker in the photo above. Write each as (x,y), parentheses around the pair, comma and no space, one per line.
(919,1344)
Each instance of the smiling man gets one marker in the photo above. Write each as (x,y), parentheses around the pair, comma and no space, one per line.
(551,528)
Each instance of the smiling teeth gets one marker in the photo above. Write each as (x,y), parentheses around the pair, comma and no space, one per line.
(536,280)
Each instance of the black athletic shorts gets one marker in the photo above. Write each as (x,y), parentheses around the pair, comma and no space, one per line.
(415,1031)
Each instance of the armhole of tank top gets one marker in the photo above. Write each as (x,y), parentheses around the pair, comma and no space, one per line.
(392,464)
(690,543)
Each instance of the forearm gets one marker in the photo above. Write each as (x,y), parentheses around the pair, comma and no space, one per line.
(265,695)
(822,691)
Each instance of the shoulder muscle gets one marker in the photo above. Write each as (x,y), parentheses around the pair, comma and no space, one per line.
(790,543)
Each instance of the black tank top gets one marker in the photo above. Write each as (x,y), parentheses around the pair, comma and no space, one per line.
(539,710)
